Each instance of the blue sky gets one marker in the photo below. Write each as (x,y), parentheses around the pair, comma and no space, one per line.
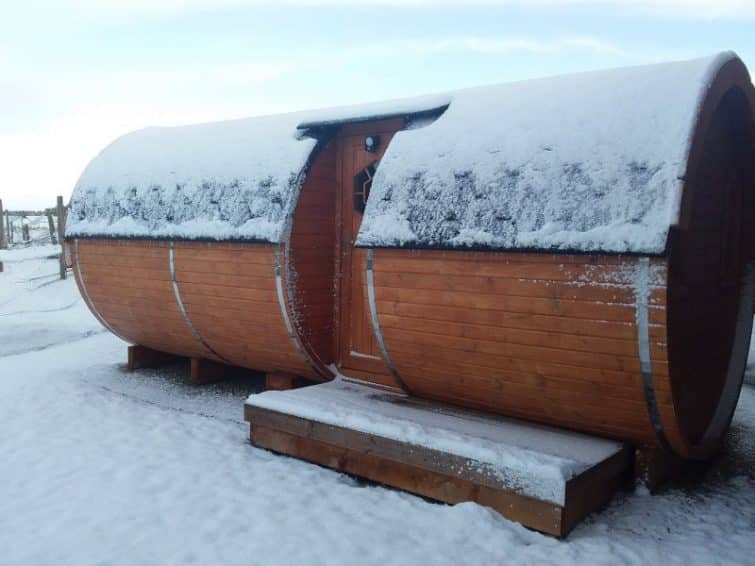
(74,75)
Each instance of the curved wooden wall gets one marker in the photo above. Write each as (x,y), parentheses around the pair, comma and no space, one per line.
(552,338)
(127,285)
(225,305)
(311,265)
(582,341)
(710,262)
(230,294)
(649,350)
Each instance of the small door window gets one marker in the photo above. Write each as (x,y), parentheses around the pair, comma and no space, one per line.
(362,186)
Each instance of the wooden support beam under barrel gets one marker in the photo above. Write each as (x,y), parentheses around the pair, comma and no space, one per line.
(140,357)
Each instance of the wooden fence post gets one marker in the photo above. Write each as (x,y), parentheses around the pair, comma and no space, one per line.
(3,243)
(51,226)
(61,210)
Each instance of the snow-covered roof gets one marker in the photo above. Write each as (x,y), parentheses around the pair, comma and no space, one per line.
(585,162)
(227,180)
(237,179)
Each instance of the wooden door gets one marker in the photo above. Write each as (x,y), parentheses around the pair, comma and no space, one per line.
(357,350)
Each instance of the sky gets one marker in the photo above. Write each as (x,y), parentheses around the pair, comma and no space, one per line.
(75,75)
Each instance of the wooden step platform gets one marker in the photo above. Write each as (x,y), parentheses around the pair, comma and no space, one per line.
(545,478)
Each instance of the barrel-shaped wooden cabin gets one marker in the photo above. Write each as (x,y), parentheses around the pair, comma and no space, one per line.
(573,250)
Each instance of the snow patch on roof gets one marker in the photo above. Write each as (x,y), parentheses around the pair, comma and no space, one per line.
(584,162)
(231,180)
(376,110)
(228,180)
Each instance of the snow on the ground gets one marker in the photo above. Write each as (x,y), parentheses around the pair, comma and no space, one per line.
(36,309)
(98,466)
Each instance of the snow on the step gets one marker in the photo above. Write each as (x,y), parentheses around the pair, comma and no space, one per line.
(586,162)
(532,460)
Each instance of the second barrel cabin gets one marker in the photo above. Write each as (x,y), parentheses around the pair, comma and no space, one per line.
(573,250)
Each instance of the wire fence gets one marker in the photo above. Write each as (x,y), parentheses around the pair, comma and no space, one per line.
(25,228)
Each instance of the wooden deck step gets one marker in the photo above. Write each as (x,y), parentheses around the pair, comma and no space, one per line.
(545,478)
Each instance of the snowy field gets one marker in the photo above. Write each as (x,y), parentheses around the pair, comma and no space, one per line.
(98,466)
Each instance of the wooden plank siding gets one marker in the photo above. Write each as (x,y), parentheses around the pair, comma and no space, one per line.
(544,337)
(357,351)
(239,316)
(128,283)
(228,290)
(311,266)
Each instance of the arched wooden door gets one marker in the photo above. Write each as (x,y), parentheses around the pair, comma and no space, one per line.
(357,351)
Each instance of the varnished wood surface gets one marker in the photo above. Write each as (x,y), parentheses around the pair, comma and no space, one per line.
(357,349)
(228,290)
(544,337)
(311,267)
(708,262)
(142,357)
(239,318)
(129,285)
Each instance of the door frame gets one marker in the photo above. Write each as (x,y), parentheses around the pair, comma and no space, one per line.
(367,368)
